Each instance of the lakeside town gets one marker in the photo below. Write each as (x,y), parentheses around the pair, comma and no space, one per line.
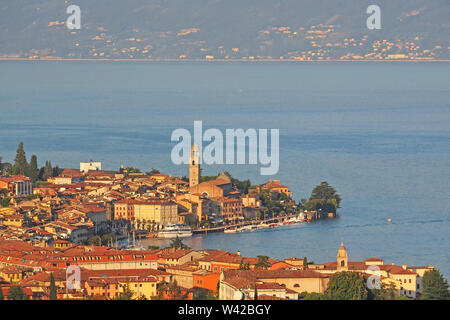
(53,219)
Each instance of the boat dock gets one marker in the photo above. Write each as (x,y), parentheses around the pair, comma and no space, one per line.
(242,224)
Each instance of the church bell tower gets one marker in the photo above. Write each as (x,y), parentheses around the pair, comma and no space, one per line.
(342,258)
(194,167)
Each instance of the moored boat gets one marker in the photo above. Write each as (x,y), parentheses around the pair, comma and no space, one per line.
(230,230)
(175,230)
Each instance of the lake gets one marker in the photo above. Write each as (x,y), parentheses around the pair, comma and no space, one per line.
(377,132)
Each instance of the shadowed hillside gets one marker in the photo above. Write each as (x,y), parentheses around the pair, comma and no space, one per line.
(226,29)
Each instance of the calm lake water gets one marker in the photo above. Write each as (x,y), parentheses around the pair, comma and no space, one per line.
(379,133)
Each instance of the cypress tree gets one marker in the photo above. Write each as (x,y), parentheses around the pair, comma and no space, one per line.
(48,170)
(56,171)
(20,162)
(2,297)
(33,168)
(53,295)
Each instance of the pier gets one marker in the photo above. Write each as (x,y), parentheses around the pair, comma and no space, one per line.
(242,224)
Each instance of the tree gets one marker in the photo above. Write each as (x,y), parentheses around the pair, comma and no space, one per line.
(323,198)
(153,171)
(126,294)
(386,292)
(95,241)
(173,291)
(16,293)
(3,193)
(347,286)
(434,286)
(306,262)
(313,296)
(256,292)
(20,161)
(2,297)
(5,202)
(33,171)
(244,266)
(133,170)
(6,167)
(53,293)
(241,185)
(263,262)
(48,171)
(108,238)
(325,192)
(204,294)
(178,244)
(303,202)
(56,171)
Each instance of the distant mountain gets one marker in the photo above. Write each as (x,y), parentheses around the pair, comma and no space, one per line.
(226,29)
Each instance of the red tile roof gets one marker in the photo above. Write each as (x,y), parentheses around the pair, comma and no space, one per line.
(15,178)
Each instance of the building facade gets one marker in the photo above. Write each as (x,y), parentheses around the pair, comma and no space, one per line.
(18,185)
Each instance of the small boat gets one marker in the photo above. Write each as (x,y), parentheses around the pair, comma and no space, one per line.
(230,230)
(262,226)
(273,225)
(175,230)
(389,219)
(246,228)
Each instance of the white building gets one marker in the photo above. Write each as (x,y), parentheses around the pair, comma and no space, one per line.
(91,165)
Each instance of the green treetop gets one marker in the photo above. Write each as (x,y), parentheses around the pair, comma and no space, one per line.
(323,197)
(20,161)
(16,293)
(126,294)
(326,192)
(48,171)
(347,286)
(178,244)
(33,170)
(53,293)
(434,286)
(263,262)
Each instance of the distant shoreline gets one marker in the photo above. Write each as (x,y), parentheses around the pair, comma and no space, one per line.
(225,60)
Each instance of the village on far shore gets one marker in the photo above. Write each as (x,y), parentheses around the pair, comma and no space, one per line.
(52,219)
